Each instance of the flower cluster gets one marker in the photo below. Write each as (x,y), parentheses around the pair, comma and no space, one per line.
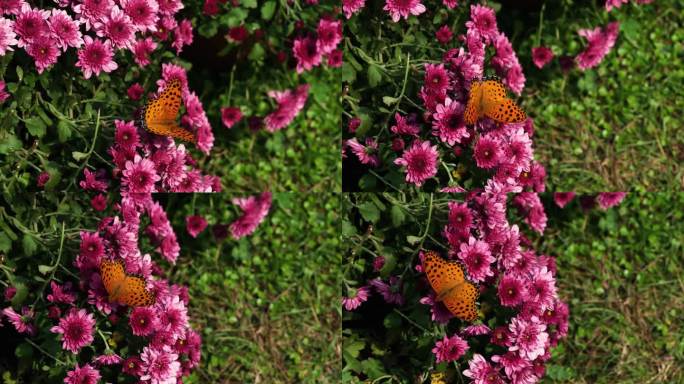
(310,51)
(599,43)
(96,29)
(503,151)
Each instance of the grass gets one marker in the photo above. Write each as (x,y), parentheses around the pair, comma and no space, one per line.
(266,306)
(613,127)
(621,273)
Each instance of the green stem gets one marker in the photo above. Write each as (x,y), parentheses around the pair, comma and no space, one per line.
(44,351)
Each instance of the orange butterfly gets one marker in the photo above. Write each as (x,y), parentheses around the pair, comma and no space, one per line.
(488,98)
(159,114)
(448,280)
(123,288)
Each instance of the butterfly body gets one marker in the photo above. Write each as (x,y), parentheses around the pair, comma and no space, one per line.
(487,98)
(159,114)
(124,288)
(447,278)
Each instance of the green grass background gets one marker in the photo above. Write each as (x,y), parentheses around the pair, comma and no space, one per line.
(267,306)
(621,271)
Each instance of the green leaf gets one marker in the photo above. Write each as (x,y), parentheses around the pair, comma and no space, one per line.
(373,368)
(397,215)
(392,321)
(35,126)
(369,212)
(5,243)
(78,156)
(45,269)
(413,240)
(23,350)
(257,52)
(389,100)
(22,293)
(249,3)
(353,348)
(63,131)
(374,75)
(20,73)
(268,9)
(29,245)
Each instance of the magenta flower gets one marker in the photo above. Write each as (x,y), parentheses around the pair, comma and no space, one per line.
(10,7)
(82,375)
(3,93)
(93,10)
(95,57)
(230,116)
(403,126)
(444,34)
(173,315)
(607,200)
(542,288)
(483,22)
(117,27)
(159,366)
(529,338)
(22,323)
(599,43)
(448,122)
(43,179)
(563,198)
(182,35)
(378,263)
(195,225)
(436,80)
(99,202)
(476,330)
(329,35)
(541,56)
(460,217)
(254,208)
(403,8)
(132,366)
(76,329)
(7,37)
(61,294)
(440,313)
(135,91)
(476,256)
(335,58)
(139,175)
(512,291)
(614,3)
(108,358)
(31,24)
(487,152)
(450,348)
(143,13)
(142,49)
(44,52)
(10,291)
(290,103)
(91,251)
(126,135)
(169,7)
(365,153)
(357,297)
(515,366)
(306,52)
(65,30)
(351,7)
(482,372)
(143,321)
(390,292)
(420,162)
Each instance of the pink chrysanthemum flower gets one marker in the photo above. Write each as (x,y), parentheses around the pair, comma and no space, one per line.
(614,3)
(7,36)
(329,35)
(11,7)
(61,294)
(93,10)
(607,200)
(481,371)
(230,116)
(31,24)
(514,365)
(378,263)
(91,182)
(476,330)
(132,366)
(351,7)
(444,34)
(541,56)
(95,57)
(182,35)
(76,329)
(117,27)
(356,298)
(529,338)
(448,122)
(140,175)
(518,153)
(420,162)
(306,52)
(254,208)
(99,202)
(483,21)
(91,251)
(440,314)
(44,51)
(23,322)
(436,79)
(542,288)
(65,30)
(82,375)
(512,291)
(450,348)
(365,153)
(477,257)
(195,225)
(142,49)
(599,43)
(563,198)
(143,13)
(173,315)
(487,152)
(403,8)
(108,358)
(501,336)
(143,321)
(390,292)
(126,135)
(403,126)
(460,217)
(451,4)
(169,7)
(335,58)
(135,91)
(159,366)
(290,103)
(3,93)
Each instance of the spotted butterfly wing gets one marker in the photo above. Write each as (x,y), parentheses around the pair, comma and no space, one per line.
(488,98)
(160,113)
(448,280)
(123,288)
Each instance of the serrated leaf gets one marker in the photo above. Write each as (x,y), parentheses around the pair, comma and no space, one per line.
(35,126)
(369,212)
(268,9)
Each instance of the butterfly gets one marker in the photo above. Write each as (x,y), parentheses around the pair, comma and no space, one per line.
(448,280)
(488,98)
(124,288)
(159,114)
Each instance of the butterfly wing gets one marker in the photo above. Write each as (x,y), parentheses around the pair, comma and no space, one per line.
(134,292)
(113,275)
(497,106)
(443,275)
(461,301)
(473,109)
(171,129)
